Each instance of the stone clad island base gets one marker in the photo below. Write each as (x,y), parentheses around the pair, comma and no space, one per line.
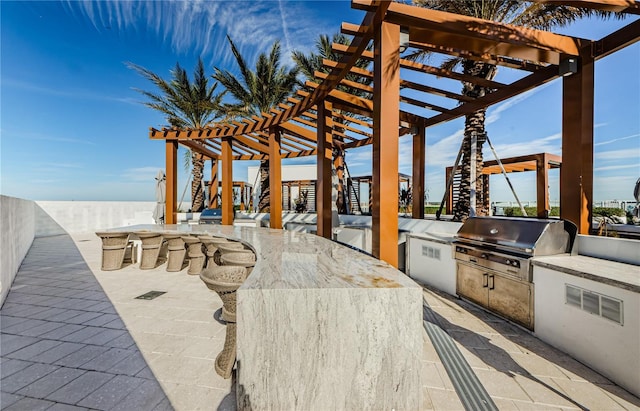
(317,349)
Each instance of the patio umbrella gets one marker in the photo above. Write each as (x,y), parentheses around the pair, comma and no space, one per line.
(161,183)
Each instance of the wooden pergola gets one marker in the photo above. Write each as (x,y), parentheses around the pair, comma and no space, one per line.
(321,116)
(540,163)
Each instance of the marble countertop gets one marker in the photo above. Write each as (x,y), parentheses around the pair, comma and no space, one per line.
(621,275)
(296,260)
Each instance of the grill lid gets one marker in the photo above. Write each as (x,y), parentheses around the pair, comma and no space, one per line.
(530,236)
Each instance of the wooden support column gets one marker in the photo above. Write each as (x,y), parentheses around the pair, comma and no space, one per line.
(242,196)
(213,186)
(227,182)
(324,159)
(386,109)
(542,185)
(419,152)
(275,179)
(171,193)
(576,173)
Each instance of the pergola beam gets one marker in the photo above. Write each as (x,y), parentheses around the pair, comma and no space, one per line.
(509,40)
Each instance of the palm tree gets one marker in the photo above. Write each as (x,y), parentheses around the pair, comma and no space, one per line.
(516,12)
(311,63)
(185,104)
(256,92)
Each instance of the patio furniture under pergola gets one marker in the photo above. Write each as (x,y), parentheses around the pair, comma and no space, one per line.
(322,117)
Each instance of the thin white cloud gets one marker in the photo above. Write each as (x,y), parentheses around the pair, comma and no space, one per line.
(203,25)
(602,143)
(619,167)
(631,152)
(75,94)
(140,174)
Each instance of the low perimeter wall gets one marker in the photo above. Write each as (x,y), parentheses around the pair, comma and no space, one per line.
(23,220)
(17,230)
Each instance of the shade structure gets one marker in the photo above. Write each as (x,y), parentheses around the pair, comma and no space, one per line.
(161,187)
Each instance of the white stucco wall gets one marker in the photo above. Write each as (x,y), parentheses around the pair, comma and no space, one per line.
(16,236)
(608,347)
(87,216)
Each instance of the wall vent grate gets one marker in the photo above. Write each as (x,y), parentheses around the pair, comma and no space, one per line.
(430,252)
(594,303)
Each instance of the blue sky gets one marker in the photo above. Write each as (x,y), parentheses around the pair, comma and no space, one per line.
(73,128)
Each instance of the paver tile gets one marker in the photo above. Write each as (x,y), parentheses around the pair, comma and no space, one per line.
(146,396)
(108,359)
(82,356)
(111,393)
(82,334)
(80,388)
(34,349)
(29,404)
(10,366)
(61,332)
(57,352)
(26,376)
(6,399)
(51,382)
(11,343)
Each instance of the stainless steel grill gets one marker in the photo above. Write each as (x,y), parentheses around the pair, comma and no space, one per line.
(493,260)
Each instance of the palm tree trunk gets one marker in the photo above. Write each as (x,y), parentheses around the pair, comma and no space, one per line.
(474,123)
(197,195)
(263,201)
(338,162)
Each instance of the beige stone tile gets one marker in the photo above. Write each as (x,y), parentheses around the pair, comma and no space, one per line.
(445,400)
(505,405)
(431,376)
(621,396)
(501,385)
(537,365)
(216,399)
(199,347)
(543,391)
(196,315)
(444,376)
(427,404)
(429,352)
(183,370)
(588,395)
(185,397)
(531,406)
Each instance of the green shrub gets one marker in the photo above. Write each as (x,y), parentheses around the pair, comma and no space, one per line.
(531,211)
(608,212)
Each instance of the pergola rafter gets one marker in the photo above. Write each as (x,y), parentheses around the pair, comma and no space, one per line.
(345,112)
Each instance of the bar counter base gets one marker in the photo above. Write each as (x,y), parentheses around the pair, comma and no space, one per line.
(319,349)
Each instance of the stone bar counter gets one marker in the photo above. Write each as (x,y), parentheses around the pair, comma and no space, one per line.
(321,326)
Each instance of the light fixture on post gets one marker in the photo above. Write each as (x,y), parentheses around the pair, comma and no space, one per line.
(404,39)
(568,66)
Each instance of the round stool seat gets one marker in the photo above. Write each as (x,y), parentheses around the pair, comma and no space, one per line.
(225,280)
(243,259)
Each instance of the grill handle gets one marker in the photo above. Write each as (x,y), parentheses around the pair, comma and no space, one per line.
(485,280)
(492,282)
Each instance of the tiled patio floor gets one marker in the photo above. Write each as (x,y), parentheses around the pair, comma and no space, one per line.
(65,346)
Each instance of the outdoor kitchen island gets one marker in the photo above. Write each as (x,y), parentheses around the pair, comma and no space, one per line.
(321,326)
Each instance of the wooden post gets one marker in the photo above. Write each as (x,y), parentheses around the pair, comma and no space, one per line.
(275,179)
(576,173)
(542,185)
(324,158)
(227,182)
(419,152)
(171,193)
(213,186)
(386,106)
